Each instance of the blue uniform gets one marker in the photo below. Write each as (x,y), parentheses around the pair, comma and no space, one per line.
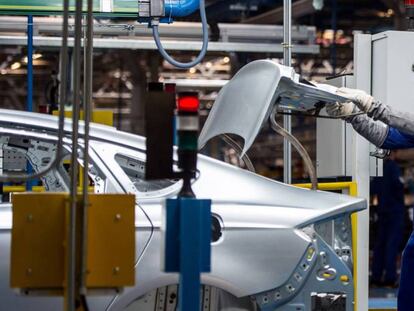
(390,224)
(399,140)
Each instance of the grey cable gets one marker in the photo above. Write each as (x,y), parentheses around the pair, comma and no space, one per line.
(298,146)
(71,275)
(204,47)
(245,158)
(87,107)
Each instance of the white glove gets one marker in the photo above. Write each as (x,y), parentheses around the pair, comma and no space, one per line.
(363,100)
(341,110)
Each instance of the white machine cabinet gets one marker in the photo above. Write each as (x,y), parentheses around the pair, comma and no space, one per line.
(334,162)
(393,69)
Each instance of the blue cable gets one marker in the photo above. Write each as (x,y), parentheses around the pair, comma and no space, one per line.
(203,51)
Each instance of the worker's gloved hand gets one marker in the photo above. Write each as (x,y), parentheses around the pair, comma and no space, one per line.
(343,111)
(360,98)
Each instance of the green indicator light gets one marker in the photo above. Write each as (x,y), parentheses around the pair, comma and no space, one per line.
(187,140)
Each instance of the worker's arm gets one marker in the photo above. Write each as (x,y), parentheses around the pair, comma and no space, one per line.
(402,121)
(381,135)
(374,131)
(377,132)
(399,120)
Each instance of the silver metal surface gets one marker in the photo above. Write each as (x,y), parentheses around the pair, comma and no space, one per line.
(266,226)
(245,103)
(142,44)
(144,9)
(287,61)
(157,8)
(187,123)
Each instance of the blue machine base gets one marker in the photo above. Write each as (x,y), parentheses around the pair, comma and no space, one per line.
(187,249)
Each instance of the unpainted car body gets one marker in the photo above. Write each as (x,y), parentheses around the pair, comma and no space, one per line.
(276,246)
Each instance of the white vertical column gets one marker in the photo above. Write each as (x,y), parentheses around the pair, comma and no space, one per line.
(361,171)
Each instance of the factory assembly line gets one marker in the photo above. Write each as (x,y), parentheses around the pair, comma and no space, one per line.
(96,218)
(255,220)
(309,241)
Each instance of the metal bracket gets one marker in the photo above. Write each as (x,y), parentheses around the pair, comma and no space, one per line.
(380,153)
(151,8)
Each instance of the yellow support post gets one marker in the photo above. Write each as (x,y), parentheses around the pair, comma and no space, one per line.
(105,117)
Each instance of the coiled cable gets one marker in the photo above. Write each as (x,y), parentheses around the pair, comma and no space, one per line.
(203,51)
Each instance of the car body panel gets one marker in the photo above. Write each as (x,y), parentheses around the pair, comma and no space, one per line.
(245,102)
(264,223)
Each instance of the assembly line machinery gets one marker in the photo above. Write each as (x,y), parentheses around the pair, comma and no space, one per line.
(273,246)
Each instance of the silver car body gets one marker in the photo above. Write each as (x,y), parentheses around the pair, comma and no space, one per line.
(279,245)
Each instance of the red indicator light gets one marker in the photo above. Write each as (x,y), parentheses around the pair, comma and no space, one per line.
(188,103)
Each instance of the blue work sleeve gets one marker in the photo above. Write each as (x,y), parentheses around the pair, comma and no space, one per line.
(398,140)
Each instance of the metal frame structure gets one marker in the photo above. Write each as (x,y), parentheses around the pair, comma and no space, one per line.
(179,36)
(185,30)
(140,44)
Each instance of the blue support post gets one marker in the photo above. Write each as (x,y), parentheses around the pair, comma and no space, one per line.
(187,250)
(30,63)
(29,103)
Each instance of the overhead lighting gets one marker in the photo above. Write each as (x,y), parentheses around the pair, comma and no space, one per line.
(387,14)
(3,71)
(192,70)
(209,65)
(226,59)
(35,56)
(15,66)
